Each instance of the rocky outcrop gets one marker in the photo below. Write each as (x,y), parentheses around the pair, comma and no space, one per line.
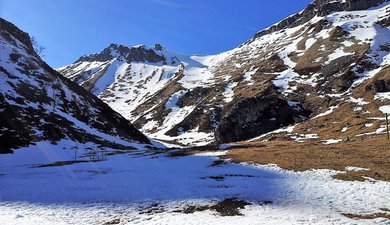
(255,116)
(380,86)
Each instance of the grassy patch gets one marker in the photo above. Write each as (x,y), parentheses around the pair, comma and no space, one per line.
(367,216)
(368,152)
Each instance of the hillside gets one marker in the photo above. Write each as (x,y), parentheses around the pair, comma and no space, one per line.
(38,104)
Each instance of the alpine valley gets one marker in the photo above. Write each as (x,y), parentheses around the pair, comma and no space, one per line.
(287,128)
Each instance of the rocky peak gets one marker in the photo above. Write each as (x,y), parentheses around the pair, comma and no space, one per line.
(159,47)
(320,8)
(139,53)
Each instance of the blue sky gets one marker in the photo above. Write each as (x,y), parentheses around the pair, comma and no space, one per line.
(71,28)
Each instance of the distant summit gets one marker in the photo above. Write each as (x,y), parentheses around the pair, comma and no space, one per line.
(138,53)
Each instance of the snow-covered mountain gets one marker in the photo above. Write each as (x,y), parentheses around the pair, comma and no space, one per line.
(145,82)
(39,104)
(333,54)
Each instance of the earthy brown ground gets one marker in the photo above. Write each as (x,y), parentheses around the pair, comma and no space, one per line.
(367,217)
(369,152)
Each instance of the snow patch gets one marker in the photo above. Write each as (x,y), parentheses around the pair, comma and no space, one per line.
(332,141)
(229,93)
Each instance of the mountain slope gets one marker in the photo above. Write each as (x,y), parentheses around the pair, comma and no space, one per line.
(300,69)
(37,103)
(128,78)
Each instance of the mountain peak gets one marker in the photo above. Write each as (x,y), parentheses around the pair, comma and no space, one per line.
(159,47)
(138,53)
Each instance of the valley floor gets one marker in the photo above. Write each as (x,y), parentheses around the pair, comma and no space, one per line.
(160,187)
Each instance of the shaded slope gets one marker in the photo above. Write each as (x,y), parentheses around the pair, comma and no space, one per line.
(37,103)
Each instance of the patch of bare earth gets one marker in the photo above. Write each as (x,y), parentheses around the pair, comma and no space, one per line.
(227,207)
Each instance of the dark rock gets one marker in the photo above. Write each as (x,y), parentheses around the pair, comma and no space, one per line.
(337,65)
(379,86)
(129,54)
(158,47)
(226,207)
(255,116)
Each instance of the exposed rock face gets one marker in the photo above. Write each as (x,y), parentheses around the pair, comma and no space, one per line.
(255,116)
(306,64)
(379,86)
(37,103)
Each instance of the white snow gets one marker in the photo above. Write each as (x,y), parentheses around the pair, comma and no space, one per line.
(197,77)
(302,137)
(332,141)
(385,109)
(358,101)
(288,129)
(107,78)
(382,95)
(339,52)
(380,130)
(229,92)
(355,169)
(219,153)
(248,76)
(172,102)
(309,42)
(210,60)
(282,81)
(126,186)
(350,21)
(329,111)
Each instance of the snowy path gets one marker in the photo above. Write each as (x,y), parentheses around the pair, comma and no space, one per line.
(121,189)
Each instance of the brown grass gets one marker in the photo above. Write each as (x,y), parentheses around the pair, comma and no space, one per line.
(367,217)
(370,152)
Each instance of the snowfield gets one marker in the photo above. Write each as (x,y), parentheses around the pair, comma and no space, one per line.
(150,187)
